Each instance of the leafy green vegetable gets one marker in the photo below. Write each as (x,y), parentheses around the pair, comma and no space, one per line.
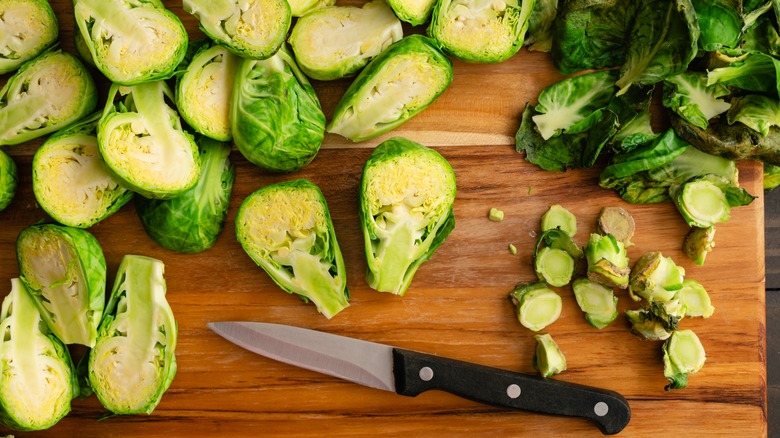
(750,71)
(275,116)
(133,362)
(193,221)
(29,28)
(287,230)
(720,22)
(653,322)
(69,178)
(406,201)
(120,33)
(607,261)
(8,180)
(414,12)
(655,278)
(539,36)
(707,199)
(394,87)
(46,94)
(756,111)
(698,243)
(771,177)
(688,95)
(299,8)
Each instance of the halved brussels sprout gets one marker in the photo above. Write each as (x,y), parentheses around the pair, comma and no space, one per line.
(69,178)
(27,28)
(414,12)
(133,362)
(37,377)
(299,8)
(275,115)
(192,221)
(250,28)
(65,272)
(406,200)
(486,31)
(203,91)
(131,41)
(143,143)
(394,87)
(286,229)
(44,95)
(337,41)
(8,180)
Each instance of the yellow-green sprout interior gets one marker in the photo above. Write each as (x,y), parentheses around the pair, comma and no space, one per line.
(485,28)
(26,28)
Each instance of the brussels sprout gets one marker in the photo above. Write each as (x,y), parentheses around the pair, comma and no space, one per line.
(47,93)
(275,116)
(558,216)
(394,87)
(720,22)
(131,41)
(414,12)
(688,95)
(286,229)
(537,306)
(193,221)
(485,31)
(337,41)
(597,302)
(251,29)
(406,199)
(607,261)
(64,270)
(299,8)
(28,28)
(143,143)
(133,362)
(203,91)
(707,199)
(617,222)
(653,322)
(555,257)
(540,24)
(8,180)
(683,355)
(70,181)
(548,359)
(756,111)
(698,243)
(38,377)
(655,278)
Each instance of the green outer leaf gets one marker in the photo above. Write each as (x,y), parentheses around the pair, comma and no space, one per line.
(8,180)
(663,150)
(39,251)
(720,22)
(556,154)
(133,362)
(193,221)
(756,111)
(30,39)
(275,115)
(540,25)
(754,71)
(688,95)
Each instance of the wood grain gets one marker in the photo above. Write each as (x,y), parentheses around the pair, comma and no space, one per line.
(457,305)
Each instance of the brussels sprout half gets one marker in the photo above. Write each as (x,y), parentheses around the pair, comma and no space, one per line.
(337,41)
(44,95)
(394,87)
(133,362)
(275,116)
(27,28)
(8,180)
(250,28)
(286,229)
(485,31)
(192,221)
(143,143)
(299,8)
(406,201)
(70,181)
(203,91)
(65,272)
(37,377)
(131,41)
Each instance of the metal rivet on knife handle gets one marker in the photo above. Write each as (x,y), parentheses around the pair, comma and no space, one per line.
(426,373)
(513,391)
(601,409)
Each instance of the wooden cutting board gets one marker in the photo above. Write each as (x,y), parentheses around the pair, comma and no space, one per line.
(457,305)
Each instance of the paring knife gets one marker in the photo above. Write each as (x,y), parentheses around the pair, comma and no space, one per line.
(410,373)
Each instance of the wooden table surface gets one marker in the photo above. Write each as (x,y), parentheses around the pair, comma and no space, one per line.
(457,305)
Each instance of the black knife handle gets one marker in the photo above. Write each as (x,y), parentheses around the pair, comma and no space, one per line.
(417,372)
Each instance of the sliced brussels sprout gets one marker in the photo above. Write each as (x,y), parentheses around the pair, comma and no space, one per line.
(694,297)
(617,222)
(46,94)
(406,201)
(548,359)
(653,322)
(286,229)
(698,243)
(250,28)
(143,142)
(394,87)
(120,33)
(683,355)
(8,180)
(597,301)
(299,8)
(64,270)
(655,278)
(485,31)
(69,178)
(276,117)
(133,362)
(38,377)
(555,257)
(193,221)
(414,12)
(702,203)
(558,216)
(203,91)
(607,261)
(537,306)
(27,28)
(337,41)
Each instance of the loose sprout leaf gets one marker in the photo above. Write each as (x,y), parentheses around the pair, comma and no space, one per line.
(29,28)
(757,112)
(720,22)
(539,36)
(8,179)
(688,95)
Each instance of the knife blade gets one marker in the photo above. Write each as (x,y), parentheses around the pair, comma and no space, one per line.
(410,373)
